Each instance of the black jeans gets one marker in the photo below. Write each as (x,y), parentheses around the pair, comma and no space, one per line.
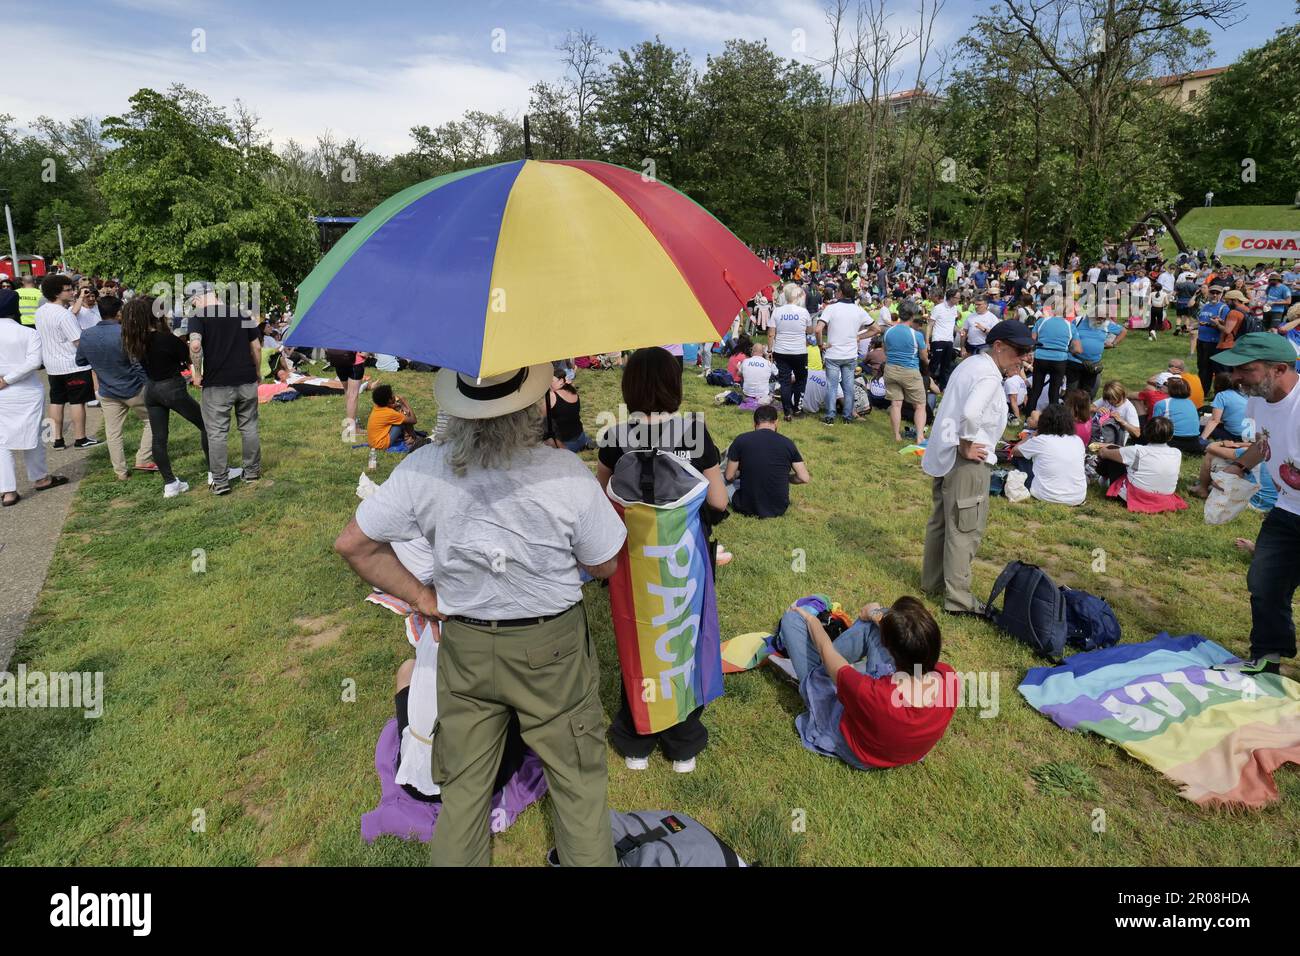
(1076,376)
(1272,580)
(788,367)
(160,400)
(679,742)
(1053,373)
(1205,351)
(942,357)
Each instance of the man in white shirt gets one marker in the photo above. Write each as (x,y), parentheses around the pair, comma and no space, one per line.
(943,333)
(511,529)
(839,327)
(970,419)
(1263,369)
(756,375)
(787,337)
(978,325)
(70,383)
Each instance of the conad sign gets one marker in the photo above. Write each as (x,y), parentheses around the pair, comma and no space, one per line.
(1241,242)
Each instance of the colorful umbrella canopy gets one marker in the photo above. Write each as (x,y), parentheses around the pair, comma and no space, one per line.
(494,268)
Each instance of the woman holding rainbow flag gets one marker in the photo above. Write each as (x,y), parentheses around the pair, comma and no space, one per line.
(663,472)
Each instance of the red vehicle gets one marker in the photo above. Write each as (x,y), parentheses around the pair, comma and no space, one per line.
(27,265)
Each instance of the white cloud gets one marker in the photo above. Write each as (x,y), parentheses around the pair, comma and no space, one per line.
(300,86)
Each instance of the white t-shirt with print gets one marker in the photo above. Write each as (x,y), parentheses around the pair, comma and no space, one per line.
(1280,424)
(756,373)
(791,324)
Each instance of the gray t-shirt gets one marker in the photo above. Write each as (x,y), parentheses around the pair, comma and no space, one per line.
(506,543)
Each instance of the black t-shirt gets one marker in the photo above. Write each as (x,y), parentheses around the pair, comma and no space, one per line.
(765,457)
(227,359)
(682,435)
(166,356)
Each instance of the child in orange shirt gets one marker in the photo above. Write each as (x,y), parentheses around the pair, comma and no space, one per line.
(391,426)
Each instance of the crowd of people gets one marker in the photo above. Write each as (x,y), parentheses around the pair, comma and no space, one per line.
(490,526)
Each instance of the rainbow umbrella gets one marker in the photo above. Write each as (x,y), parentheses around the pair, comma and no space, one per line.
(494,268)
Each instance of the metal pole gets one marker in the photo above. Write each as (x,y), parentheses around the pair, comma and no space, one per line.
(13,245)
(63,259)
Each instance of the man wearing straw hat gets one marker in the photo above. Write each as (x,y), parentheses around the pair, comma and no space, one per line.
(512,523)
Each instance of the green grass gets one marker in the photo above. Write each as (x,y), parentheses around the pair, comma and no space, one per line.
(1200,228)
(223,688)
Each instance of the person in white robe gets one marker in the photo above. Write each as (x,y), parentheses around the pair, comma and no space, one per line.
(22,404)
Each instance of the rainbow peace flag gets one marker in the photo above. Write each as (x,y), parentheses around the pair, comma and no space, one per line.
(1218,735)
(665,610)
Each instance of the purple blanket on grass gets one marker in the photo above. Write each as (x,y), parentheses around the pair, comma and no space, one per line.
(401,815)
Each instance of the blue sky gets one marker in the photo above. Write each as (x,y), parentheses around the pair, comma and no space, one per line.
(373,70)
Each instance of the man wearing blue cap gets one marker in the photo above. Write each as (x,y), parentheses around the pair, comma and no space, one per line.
(959,456)
(1263,369)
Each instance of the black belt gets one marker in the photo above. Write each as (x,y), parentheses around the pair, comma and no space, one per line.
(515,622)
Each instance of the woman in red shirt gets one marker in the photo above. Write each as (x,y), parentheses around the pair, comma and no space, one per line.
(891,715)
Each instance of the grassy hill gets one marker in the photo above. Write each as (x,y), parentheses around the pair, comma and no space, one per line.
(1200,227)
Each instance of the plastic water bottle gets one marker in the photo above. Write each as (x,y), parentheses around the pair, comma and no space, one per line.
(374,461)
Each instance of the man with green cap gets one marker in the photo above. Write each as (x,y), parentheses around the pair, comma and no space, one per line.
(1263,367)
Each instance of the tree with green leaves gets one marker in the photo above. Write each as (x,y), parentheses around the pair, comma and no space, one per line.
(186,196)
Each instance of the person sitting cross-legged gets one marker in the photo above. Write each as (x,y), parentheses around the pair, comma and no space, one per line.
(891,712)
(768,463)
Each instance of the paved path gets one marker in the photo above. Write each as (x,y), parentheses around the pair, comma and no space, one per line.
(29,531)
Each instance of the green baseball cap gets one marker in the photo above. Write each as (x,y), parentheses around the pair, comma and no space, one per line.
(1258,347)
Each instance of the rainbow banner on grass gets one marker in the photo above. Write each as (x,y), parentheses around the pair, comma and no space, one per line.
(1219,735)
(665,610)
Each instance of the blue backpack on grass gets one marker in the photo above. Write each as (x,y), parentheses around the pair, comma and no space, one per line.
(1033,611)
(1089,621)
(1045,616)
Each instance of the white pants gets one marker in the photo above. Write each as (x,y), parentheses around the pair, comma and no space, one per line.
(33,459)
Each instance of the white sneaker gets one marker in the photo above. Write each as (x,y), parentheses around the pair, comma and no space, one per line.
(177,487)
(684,766)
(231,473)
(637,763)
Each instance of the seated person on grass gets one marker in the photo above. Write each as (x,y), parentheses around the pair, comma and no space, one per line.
(756,374)
(1229,409)
(391,426)
(893,710)
(1053,459)
(1220,454)
(1144,476)
(768,463)
(1114,402)
(1184,415)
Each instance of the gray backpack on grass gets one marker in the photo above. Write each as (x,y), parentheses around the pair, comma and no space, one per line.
(666,838)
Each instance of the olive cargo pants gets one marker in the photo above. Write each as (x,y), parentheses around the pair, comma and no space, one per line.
(548,675)
(954,532)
